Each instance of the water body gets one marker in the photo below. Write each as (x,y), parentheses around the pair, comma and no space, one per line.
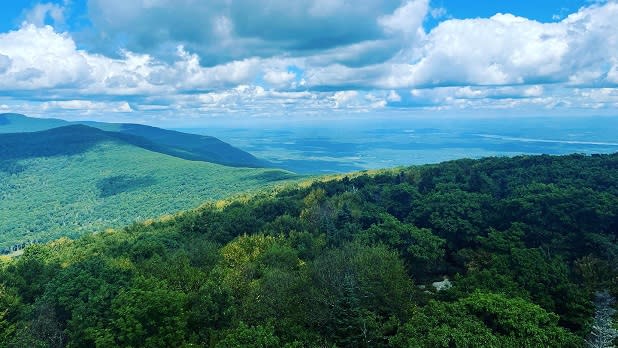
(335,146)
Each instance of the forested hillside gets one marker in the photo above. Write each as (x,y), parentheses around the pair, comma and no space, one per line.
(76,179)
(496,252)
(178,144)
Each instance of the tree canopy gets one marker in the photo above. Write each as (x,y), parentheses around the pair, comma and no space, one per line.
(348,261)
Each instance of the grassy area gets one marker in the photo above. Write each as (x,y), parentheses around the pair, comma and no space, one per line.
(110,184)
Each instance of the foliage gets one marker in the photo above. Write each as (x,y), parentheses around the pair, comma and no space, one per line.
(342,262)
(108,184)
(484,319)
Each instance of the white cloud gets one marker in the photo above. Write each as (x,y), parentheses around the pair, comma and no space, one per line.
(598,95)
(503,49)
(39,14)
(438,12)
(343,97)
(441,95)
(41,58)
(393,97)
(87,105)
(407,19)
(189,74)
(534,91)
(5,63)
(279,78)
(219,66)
(506,49)
(612,74)
(35,58)
(241,28)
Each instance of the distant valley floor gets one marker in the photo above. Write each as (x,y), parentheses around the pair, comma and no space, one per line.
(339,146)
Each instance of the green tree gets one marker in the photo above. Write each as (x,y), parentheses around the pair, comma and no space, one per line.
(9,310)
(419,247)
(484,319)
(356,290)
(250,337)
(148,314)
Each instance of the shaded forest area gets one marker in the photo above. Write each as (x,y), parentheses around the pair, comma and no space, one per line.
(521,249)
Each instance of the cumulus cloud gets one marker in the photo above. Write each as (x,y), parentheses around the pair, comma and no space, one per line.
(86,105)
(407,19)
(342,98)
(503,49)
(220,31)
(304,57)
(438,12)
(507,49)
(35,58)
(439,95)
(41,58)
(279,78)
(40,13)
(5,63)
(393,97)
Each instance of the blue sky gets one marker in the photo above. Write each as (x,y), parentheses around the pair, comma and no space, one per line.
(182,62)
(545,10)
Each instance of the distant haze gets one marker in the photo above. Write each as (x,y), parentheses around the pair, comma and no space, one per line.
(342,146)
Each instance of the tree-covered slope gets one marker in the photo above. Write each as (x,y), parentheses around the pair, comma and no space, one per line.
(518,248)
(192,146)
(182,145)
(65,140)
(76,179)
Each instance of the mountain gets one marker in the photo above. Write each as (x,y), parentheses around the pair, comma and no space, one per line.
(498,252)
(77,179)
(65,140)
(15,123)
(183,145)
(193,146)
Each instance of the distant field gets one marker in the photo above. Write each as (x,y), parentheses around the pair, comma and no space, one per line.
(336,146)
(110,184)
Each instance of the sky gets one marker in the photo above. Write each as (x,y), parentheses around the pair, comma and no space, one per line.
(188,62)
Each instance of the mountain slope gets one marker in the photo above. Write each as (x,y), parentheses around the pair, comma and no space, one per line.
(499,252)
(183,145)
(193,146)
(65,140)
(78,179)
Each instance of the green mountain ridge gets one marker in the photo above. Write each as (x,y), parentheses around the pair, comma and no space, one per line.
(76,179)
(64,140)
(183,145)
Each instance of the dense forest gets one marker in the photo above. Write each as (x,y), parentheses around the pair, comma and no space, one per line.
(72,180)
(499,252)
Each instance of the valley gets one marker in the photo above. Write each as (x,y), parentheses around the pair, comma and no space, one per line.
(345,145)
